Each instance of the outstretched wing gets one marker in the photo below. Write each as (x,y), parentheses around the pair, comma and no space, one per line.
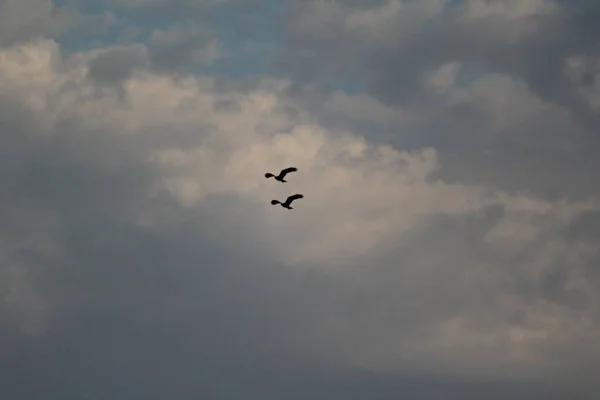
(293,197)
(286,171)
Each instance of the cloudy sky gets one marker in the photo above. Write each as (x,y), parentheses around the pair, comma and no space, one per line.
(447,246)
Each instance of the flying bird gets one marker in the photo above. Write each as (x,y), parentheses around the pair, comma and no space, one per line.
(282,174)
(288,201)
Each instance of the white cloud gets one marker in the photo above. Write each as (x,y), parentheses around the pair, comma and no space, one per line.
(368,207)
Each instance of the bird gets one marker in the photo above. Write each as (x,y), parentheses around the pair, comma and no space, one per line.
(288,201)
(282,174)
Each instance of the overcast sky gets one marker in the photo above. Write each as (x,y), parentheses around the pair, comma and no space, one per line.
(448,245)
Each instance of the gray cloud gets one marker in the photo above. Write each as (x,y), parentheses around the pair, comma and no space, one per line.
(118,64)
(527,48)
(22,20)
(164,3)
(176,50)
(182,45)
(140,256)
(173,10)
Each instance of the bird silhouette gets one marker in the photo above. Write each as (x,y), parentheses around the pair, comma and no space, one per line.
(288,201)
(282,174)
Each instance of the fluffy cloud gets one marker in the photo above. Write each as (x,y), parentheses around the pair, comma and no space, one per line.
(462,60)
(375,219)
(449,226)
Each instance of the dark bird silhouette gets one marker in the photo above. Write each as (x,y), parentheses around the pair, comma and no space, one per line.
(289,200)
(282,174)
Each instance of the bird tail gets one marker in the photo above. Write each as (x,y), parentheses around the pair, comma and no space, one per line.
(275,202)
(269,175)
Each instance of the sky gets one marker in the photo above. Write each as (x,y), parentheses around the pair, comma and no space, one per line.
(447,247)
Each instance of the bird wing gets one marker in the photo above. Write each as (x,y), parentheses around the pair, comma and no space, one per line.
(286,171)
(293,197)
